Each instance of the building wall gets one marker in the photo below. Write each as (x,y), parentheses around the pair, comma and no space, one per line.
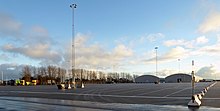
(175,78)
(147,79)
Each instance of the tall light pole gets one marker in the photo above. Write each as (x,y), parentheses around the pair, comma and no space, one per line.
(2,77)
(67,69)
(2,74)
(179,64)
(193,78)
(156,60)
(73,6)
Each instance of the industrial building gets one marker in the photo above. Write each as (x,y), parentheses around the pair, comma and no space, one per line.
(147,79)
(174,78)
(180,77)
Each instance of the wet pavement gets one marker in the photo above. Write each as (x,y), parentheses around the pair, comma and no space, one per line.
(148,97)
(40,104)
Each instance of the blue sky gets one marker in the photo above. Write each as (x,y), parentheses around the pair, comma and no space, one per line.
(113,35)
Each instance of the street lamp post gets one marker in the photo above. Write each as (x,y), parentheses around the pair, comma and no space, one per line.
(2,78)
(156,60)
(193,78)
(73,6)
(2,75)
(179,64)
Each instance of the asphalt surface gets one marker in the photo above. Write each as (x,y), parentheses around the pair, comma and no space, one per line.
(129,94)
(212,97)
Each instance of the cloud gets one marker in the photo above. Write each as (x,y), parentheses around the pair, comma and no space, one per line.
(39,31)
(92,55)
(201,40)
(180,42)
(218,38)
(208,72)
(36,51)
(151,37)
(11,71)
(4,57)
(81,39)
(188,44)
(173,54)
(209,50)
(9,26)
(210,24)
(95,55)
(33,42)
(121,51)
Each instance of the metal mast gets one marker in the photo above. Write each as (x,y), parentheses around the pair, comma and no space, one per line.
(179,64)
(156,60)
(73,6)
(193,78)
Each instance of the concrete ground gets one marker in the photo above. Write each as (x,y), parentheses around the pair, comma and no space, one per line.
(212,97)
(135,94)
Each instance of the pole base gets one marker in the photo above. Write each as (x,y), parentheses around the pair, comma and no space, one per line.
(195,102)
(69,87)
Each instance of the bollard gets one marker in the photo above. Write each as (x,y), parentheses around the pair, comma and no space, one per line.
(204,90)
(194,102)
(207,88)
(80,85)
(199,96)
(69,86)
(202,93)
(83,85)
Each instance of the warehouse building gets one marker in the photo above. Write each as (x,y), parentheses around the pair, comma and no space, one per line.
(147,79)
(180,77)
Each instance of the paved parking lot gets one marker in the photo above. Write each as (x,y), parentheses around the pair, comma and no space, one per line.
(212,97)
(156,94)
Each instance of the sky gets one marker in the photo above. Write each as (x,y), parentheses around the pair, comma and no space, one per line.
(113,35)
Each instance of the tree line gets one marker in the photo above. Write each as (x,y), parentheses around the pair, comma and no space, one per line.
(58,75)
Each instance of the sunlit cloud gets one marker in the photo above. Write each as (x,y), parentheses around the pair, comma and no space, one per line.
(180,42)
(188,44)
(211,23)
(208,72)
(121,51)
(202,40)
(210,50)
(34,42)
(93,55)
(173,54)
(36,51)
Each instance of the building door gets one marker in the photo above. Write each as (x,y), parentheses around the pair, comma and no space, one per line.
(179,80)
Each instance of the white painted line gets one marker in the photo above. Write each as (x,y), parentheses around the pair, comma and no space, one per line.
(98,95)
(176,92)
(211,98)
(157,90)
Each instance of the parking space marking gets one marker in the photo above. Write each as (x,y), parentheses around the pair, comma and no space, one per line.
(177,92)
(98,95)
(157,90)
(211,98)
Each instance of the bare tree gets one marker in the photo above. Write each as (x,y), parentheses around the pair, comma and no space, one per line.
(43,73)
(26,73)
(34,72)
(53,72)
(49,72)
